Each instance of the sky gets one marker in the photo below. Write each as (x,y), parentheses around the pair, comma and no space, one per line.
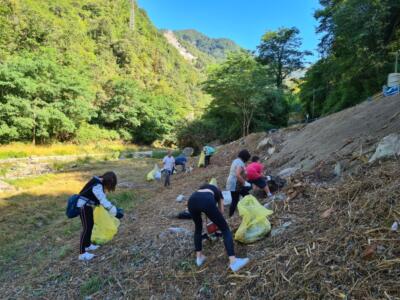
(243,21)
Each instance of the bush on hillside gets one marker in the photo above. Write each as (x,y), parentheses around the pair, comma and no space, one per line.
(92,133)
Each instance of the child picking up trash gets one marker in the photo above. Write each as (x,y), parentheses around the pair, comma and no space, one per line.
(205,200)
(169,165)
(254,173)
(93,194)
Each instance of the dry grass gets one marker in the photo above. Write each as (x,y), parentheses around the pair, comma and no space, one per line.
(20,150)
(33,227)
(338,247)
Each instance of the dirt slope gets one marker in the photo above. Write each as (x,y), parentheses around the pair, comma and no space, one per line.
(356,129)
(346,137)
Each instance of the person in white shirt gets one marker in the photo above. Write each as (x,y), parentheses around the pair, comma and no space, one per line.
(169,165)
(93,194)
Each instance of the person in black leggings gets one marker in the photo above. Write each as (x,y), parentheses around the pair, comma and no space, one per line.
(205,201)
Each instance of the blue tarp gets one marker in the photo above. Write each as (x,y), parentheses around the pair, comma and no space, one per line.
(391,90)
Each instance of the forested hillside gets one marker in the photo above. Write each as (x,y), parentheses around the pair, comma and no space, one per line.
(75,69)
(215,48)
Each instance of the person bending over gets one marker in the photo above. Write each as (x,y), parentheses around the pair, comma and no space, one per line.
(181,160)
(254,173)
(236,182)
(205,200)
(208,152)
(93,194)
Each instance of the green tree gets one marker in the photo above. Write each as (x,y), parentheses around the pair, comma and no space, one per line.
(237,86)
(280,50)
(120,108)
(357,44)
(39,99)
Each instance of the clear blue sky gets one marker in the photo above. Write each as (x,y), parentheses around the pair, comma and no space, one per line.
(240,20)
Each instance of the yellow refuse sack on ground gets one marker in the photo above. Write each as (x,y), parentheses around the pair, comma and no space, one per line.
(202,160)
(213,181)
(154,174)
(255,224)
(105,226)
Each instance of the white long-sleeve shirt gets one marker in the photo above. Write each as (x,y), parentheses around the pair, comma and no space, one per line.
(100,195)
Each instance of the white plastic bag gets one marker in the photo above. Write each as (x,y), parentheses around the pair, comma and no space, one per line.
(227,197)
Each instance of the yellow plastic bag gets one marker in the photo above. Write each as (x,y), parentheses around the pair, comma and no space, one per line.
(105,226)
(255,224)
(202,160)
(153,174)
(213,181)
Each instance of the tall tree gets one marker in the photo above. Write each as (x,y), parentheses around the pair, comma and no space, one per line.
(238,86)
(280,50)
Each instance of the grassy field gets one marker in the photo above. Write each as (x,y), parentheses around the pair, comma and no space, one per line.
(21,150)
(33,225)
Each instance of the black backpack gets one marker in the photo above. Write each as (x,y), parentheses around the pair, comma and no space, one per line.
(275,183)
(72,210)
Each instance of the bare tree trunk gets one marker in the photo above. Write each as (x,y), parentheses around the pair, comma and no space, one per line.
(132,16)
(34,124)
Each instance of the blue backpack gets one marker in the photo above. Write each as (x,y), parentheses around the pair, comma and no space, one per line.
(72,210)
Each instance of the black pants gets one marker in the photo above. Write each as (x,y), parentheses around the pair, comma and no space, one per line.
(167,181)
(243,191)
(207,159)
(87,227)
(203,202)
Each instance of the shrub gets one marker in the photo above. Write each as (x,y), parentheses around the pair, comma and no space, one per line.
(90,133)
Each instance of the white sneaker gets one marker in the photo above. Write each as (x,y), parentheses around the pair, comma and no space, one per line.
(200,261)
(86,256)
(239,263)
(92,247)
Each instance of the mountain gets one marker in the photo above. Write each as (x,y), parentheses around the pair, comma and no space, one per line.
(125,74)
(216,48)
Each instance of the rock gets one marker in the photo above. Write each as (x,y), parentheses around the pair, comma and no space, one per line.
(188,151)
(287,172)
(338,169)
(271,131)
(271,151)
(395,226)
(178,230)
(389,146)
(279,197)
(279,230)
(180,198)
(264,143)
(142,154)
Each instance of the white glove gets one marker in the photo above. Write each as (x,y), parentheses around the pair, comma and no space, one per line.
(247,184)
(113,211)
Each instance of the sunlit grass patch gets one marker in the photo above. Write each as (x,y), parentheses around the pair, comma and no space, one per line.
(20,150)
(29,182)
